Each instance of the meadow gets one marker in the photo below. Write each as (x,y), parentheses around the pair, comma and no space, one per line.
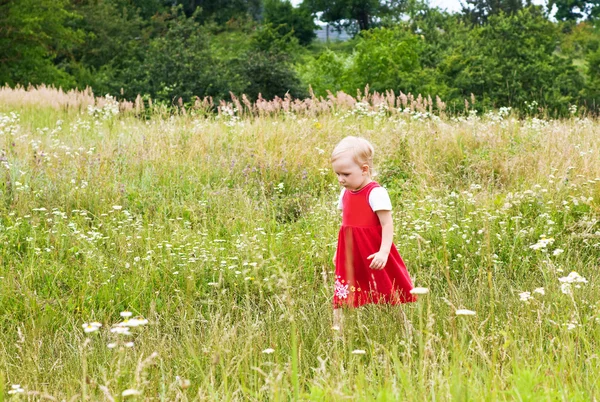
(151,255)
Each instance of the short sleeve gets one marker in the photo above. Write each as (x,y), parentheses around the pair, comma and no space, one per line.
(379,200)
(340,204)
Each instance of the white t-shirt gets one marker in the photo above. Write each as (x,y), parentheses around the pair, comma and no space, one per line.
(379,199)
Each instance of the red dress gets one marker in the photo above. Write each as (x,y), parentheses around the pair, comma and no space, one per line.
(360,236)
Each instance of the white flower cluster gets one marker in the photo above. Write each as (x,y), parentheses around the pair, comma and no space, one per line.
(471,118)
(535,124)
(498,116)
(9,123)
(567,281)
(106,112)
(15,389)
(542,243)
(526,296)
(422,116)
(360,109)
(121,328)
(229,115)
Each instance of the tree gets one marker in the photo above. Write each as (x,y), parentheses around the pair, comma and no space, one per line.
(511,60)
(572,10)
(266,66)
(299,21)
(478,11)
(180,63)
(146,9)
(220,11)
(326,72)
(387,59)
(114,36)
(33,33)
(363,13)
(593,71)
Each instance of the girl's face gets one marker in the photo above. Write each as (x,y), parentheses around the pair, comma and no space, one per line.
(350,174)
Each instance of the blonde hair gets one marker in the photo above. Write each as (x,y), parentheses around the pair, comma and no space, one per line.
(361,150)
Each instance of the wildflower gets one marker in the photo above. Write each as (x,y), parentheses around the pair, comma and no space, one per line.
(419,291)
(112,345)
(525,296)
(565,288)
(542,243)
(130,392)
(540,291)
(134,322)
(573,277)
(336,327)
(117,207)
(558,251)
(120,330)
(91,327)
(465,312)
(16,389)
(268,351)
(129,344)
(126,314)
(358,352)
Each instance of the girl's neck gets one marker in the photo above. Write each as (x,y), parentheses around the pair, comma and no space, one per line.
(364,184)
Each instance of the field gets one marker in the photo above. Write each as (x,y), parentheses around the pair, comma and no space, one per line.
(216,233)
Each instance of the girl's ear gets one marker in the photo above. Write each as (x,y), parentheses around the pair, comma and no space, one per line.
(365,168)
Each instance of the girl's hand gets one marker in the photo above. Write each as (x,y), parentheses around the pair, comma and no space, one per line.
(379,260)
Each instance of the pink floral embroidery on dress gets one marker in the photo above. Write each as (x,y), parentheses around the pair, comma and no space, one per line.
(341,291)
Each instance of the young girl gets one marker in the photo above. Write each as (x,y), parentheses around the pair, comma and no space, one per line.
(368,268)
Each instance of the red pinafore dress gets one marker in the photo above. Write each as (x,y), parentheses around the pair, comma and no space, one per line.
(359,237)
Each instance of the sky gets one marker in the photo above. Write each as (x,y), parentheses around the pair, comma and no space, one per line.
(449,5)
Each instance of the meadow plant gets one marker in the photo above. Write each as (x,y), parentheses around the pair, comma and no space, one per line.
(182,257)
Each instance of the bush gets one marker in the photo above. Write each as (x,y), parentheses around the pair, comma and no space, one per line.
(511,60)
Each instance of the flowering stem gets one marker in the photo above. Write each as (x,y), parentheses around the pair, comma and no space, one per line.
(294,340)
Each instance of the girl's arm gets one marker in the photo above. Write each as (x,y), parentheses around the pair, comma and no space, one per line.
(387,234)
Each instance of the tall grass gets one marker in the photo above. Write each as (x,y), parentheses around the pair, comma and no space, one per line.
(219,231)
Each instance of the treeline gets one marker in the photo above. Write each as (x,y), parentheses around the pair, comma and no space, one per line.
(498,52)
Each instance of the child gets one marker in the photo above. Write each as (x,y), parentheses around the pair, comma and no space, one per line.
(368,268)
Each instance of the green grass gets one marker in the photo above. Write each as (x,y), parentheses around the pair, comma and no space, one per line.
(221,235)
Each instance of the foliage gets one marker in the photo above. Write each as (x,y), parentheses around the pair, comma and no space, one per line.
(572,10)
(116,40)
(220,11)
(268,65)
(299,21)
(176,56)
(511,60)
(326,72)
(386,59)
(503,52)
(593,88)
(383,59)
(478,11)
(357,15)
(180,63)
(33,35)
